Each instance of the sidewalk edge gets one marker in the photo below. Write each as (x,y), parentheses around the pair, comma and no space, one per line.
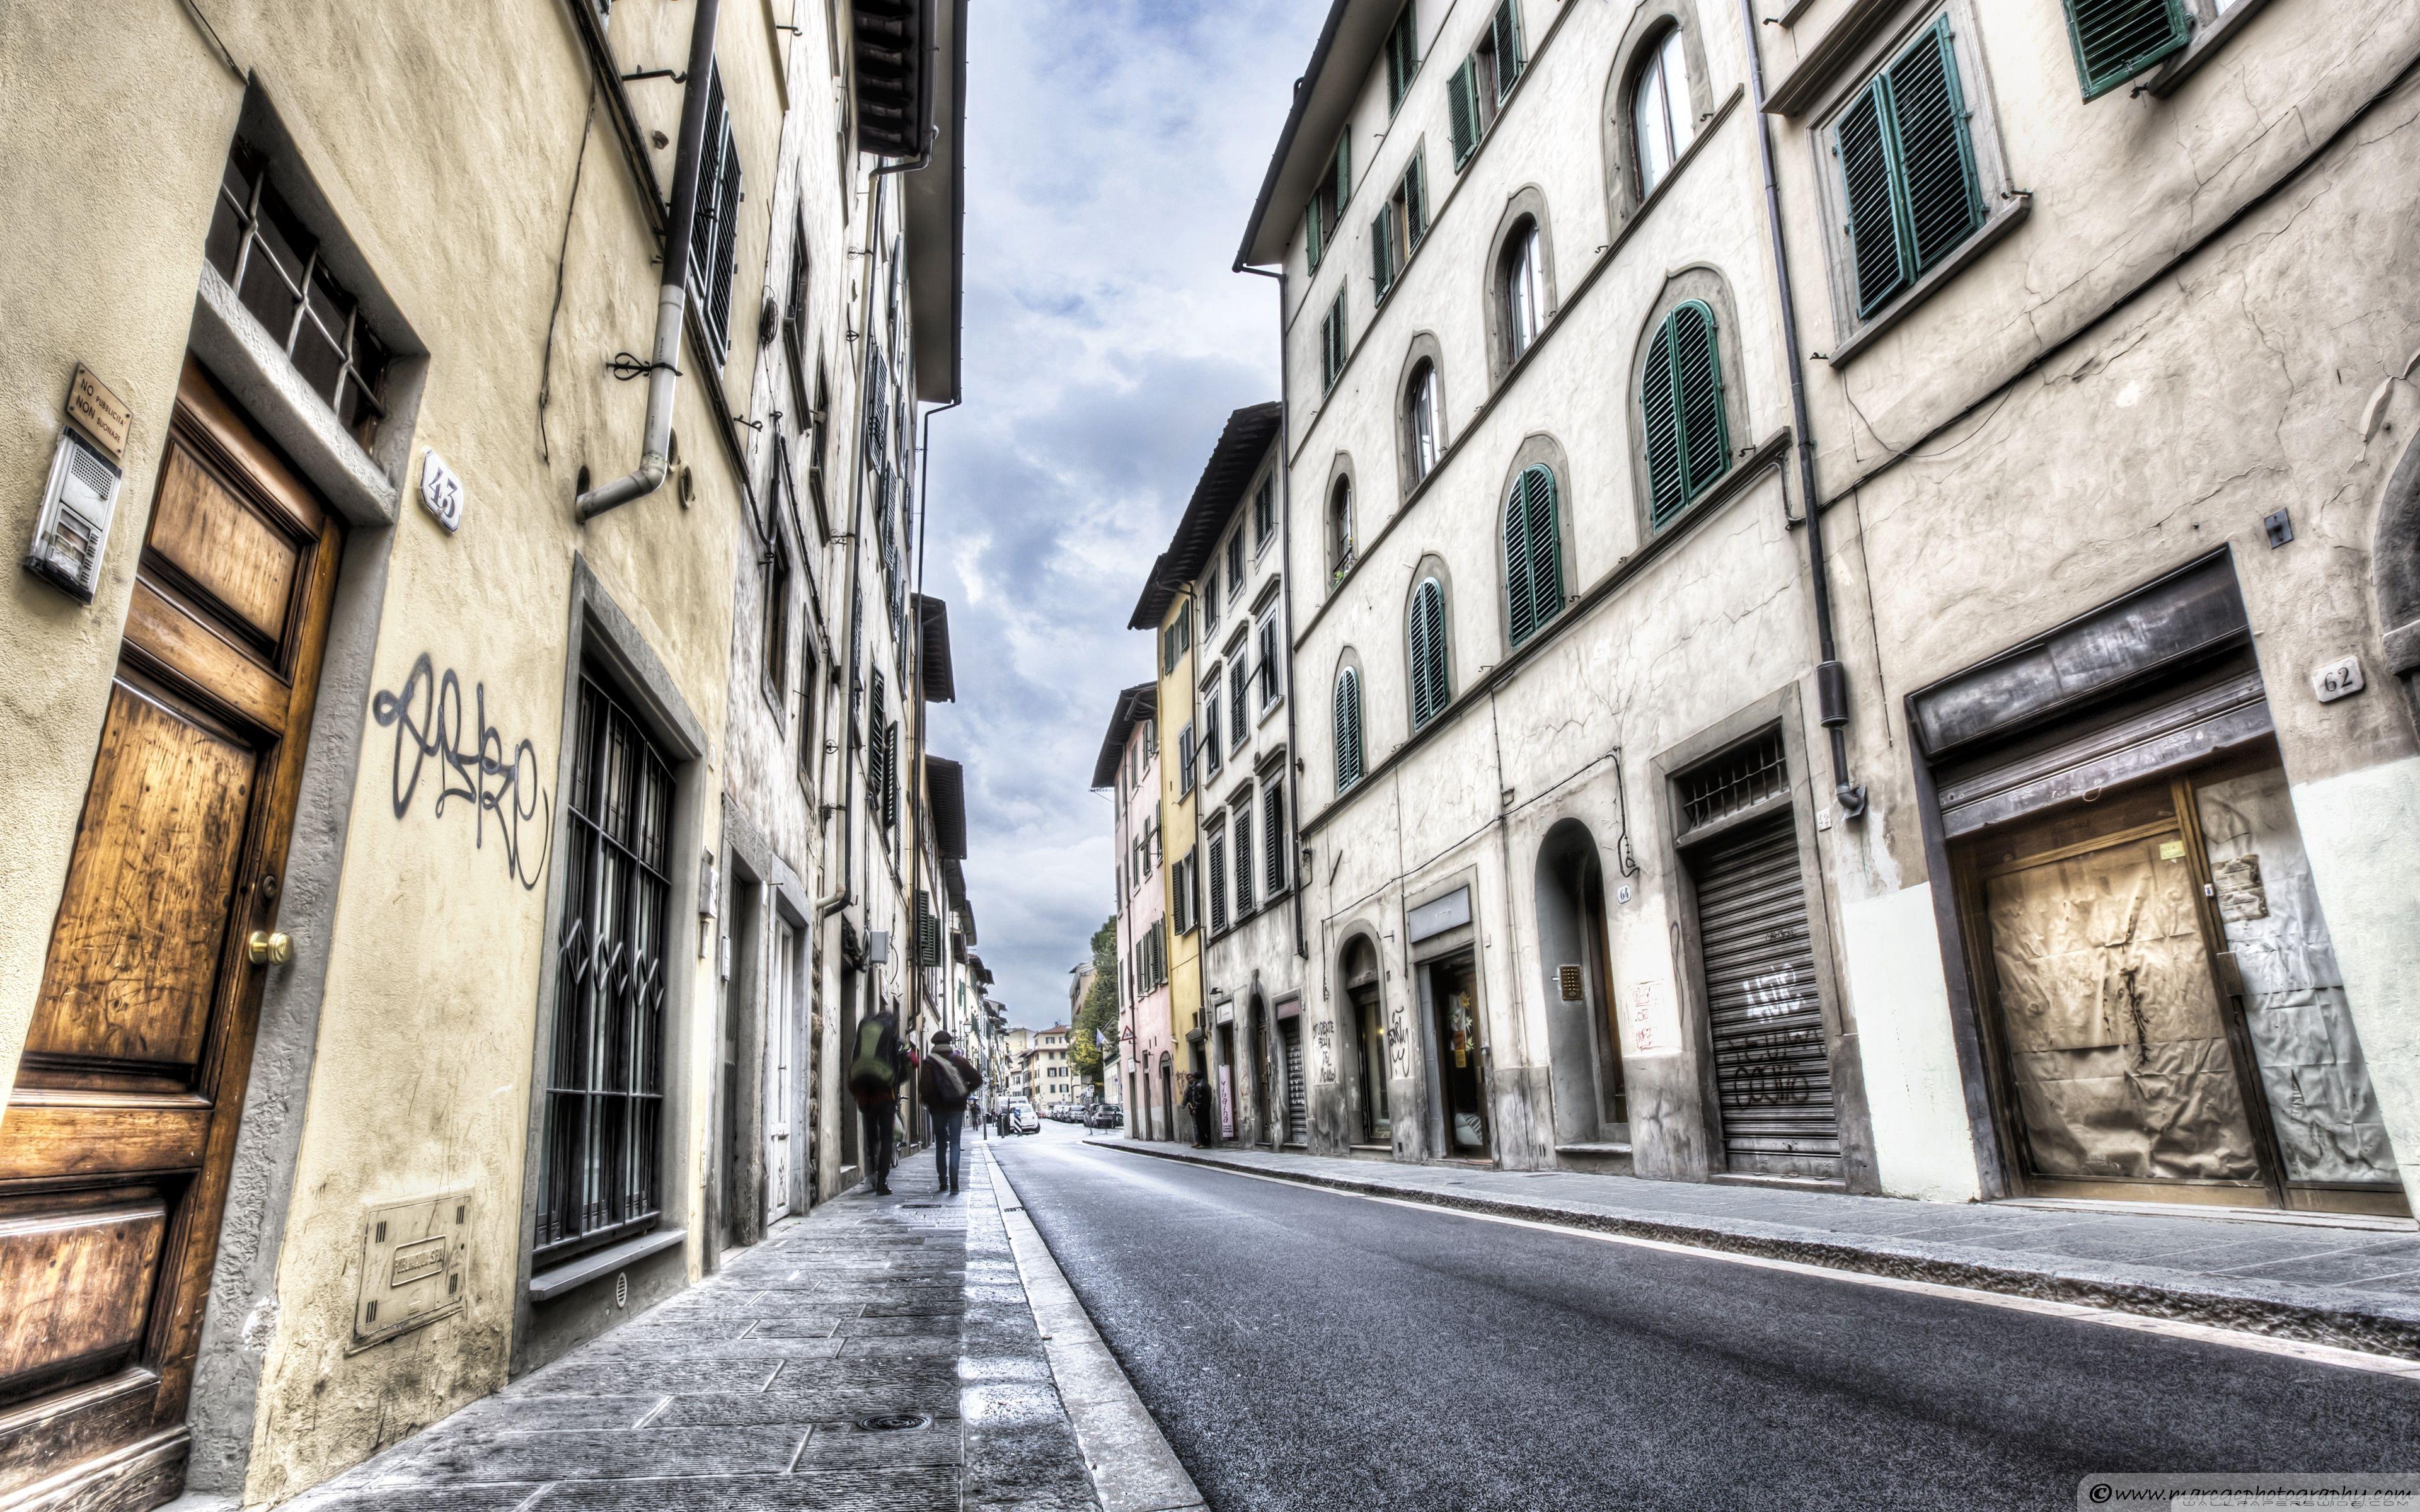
(2368,1332)
(1132,1467)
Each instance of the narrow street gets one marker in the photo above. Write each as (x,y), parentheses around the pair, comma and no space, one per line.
(1314,1350)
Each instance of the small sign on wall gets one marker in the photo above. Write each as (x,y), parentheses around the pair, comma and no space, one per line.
(441,491)
(1654,1021)
(2338,679)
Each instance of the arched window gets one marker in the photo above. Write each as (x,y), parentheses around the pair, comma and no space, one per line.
(1662,124)
(1424,431)
(1521,288)
(1340,532)
(1533,554)
(1431,680)
(1681,402)
(1347,723)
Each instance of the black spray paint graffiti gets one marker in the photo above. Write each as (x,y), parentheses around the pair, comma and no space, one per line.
(480,772)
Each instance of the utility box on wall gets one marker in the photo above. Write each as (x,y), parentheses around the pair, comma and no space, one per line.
(413,1258)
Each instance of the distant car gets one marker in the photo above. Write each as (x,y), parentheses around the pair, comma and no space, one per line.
(1022,1119)
(1106,1116)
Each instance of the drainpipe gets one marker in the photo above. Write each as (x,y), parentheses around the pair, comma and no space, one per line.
(916,861)
(1831,678)
(672,297)
(1285,596)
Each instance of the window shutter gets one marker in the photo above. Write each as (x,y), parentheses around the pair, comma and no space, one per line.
(1239,678)
(1310,232)
(1429,691)
(1243,860)
(1346,718)
(1666,487)
(1505,30)
(1217,882)
(1937,163)
(1381,274)
(1521,617)
(1273,835)
(1462,111)
(1866,171)
(875,388)
(1343,171)
(1545,545)
(2117,40)
(1416,198)
(1698,384)
(725,267)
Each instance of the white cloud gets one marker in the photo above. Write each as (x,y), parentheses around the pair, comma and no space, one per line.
(1113,150)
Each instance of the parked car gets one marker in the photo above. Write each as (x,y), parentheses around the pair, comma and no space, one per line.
(1107,1116)
(1022,1119)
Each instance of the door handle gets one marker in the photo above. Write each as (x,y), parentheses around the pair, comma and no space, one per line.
(268,948)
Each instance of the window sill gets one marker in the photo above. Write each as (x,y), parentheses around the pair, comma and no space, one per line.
(2011,213)
(2207,40)
(547,1285)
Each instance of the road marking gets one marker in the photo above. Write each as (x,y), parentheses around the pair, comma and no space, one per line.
(2327,1354)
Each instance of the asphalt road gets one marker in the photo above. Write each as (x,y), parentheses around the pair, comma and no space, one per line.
(1304,1349)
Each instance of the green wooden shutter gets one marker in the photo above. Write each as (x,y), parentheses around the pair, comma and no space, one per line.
(1519,602)
(1346,720)
(1660,431)
(1311,232)
(1545,545)
(1217,882)
(1430,688)
(1416,197)
(1862,147)
(1462,111)
(1505,29)
(1382,272)
(2117,40)
(1698,386)
(1344,173)
(1936,163)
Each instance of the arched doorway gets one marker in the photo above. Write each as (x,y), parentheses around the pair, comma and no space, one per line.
(1364,1030)
(1583,1040)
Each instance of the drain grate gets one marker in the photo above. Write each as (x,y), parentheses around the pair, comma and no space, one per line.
(894,1422)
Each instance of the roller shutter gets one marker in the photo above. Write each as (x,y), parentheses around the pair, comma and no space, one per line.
(1772,1074)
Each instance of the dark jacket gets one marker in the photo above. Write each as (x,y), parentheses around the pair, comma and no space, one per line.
(937,1095)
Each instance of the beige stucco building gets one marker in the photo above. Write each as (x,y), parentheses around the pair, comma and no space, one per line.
(1936,734)
(373,1019)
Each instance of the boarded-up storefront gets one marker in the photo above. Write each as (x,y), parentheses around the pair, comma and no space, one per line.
(2162,1014)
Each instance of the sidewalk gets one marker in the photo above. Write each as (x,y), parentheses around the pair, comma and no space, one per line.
(877,1353)
(2354,1286)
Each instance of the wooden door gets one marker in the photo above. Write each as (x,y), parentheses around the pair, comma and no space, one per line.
(121,1127)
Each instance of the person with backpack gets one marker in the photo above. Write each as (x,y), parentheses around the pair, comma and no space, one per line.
(877,1068)
(947,1081)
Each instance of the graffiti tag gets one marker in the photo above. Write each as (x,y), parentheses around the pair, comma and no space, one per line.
(427,717)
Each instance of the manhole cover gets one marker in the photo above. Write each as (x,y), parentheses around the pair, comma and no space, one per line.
(894,1422)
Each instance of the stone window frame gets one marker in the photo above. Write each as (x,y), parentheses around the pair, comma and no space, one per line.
(1625,199)
(1527,205)
(1335,574)
(1706,284)
(2005,206)
(1423,346)
(1348,659)
(1537,448)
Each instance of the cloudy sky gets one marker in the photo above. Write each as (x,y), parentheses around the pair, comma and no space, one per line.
(1113,150)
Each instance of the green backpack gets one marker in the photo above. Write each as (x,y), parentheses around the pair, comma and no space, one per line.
(870,1071)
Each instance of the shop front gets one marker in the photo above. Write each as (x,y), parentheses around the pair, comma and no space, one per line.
(2157,1005)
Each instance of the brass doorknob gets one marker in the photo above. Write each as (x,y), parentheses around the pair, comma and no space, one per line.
(267,948)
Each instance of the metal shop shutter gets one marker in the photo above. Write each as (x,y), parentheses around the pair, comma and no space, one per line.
(1296,1114)
(1770,1071)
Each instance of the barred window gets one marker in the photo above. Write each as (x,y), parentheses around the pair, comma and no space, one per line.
(601,1177)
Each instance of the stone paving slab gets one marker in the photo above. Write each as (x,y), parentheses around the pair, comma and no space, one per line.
(756,1390)
(2351,1286)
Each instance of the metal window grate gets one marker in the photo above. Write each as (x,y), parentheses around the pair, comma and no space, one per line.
(1738,779)
(276,270)
(605,1090)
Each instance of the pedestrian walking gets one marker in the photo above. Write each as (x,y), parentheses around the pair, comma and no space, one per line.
(1196,1101)
(877,1068)
(948,1082)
